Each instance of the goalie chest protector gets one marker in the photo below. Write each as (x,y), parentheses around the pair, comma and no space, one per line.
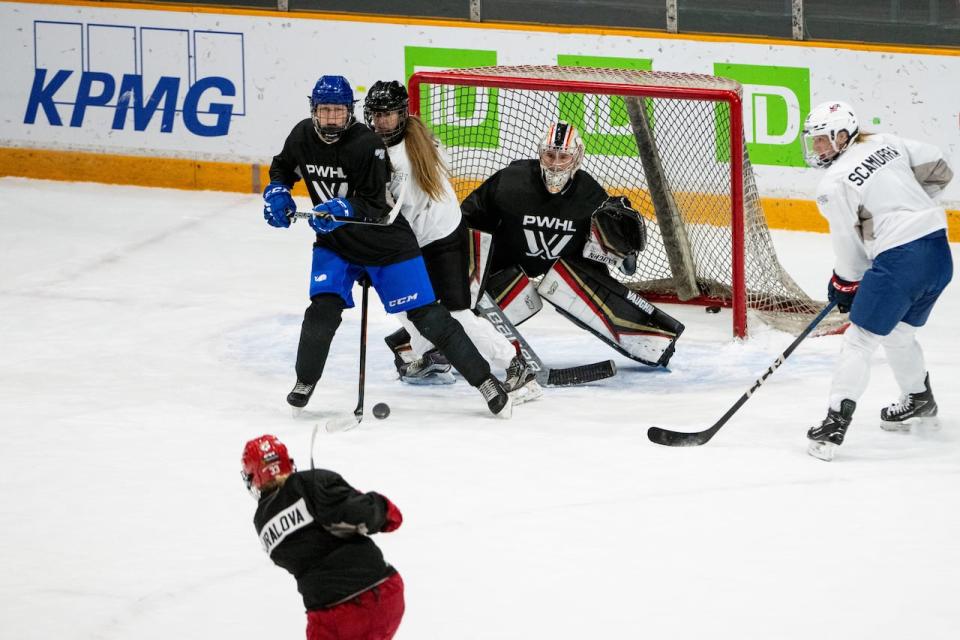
(535,228)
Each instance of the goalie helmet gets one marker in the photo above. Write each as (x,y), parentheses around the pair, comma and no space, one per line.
(331,90)
(386,99)
(823,124)
(264,459)
(561,152)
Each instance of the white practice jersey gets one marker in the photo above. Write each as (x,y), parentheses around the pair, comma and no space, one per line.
(878,195)
(429,219)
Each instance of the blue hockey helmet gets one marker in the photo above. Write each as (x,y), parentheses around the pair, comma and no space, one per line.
(331,90)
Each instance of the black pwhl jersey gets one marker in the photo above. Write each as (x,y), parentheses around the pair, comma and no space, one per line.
(530,226)
(355,167)
(308,527)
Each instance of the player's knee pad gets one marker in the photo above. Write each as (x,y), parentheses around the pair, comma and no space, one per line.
(587,295)
(902,336)
(433,321)
(324,314)
(856,338)
(515,294)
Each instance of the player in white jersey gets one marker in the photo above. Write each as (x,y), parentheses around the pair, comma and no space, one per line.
(433,211)
(892,261)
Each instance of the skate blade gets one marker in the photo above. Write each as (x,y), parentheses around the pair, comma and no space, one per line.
(822,450)
(530,391)
(431,379)
(926,424)
(507,412)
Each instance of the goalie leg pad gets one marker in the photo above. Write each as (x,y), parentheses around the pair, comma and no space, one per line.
(585,294)
(515,294)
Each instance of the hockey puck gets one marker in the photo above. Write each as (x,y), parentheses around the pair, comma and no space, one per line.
(381,410)
(713,309)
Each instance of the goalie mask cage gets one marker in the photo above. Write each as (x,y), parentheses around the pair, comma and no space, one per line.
(672,143)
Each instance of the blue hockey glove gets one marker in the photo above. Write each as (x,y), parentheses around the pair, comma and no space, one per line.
(335,207)
(842,292)
(278,204)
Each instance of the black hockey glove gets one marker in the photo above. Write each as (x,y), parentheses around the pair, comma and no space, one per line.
(842,292)
(617,235)
(621,226)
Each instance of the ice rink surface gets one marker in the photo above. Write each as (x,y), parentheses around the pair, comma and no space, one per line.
(146,334)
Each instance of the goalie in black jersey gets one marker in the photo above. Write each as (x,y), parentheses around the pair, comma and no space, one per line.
(552,219)
(345,168)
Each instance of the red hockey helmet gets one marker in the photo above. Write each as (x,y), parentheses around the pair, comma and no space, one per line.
(264,459)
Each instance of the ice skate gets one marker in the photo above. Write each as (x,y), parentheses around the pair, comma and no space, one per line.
(498,400)
(300,396)
(432,368)
(521,381)
(913,409)
(825,438)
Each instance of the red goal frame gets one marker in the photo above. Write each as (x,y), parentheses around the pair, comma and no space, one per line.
(730,97)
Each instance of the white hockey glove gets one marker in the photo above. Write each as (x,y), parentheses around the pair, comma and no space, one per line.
(617,235)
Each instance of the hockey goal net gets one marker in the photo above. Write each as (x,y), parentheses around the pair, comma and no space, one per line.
(673,143)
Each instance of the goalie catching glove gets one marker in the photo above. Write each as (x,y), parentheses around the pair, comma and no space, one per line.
(617,235)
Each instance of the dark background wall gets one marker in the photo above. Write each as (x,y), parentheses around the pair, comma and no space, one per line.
(917,22)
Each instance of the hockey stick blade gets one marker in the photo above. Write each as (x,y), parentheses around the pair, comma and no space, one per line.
(342,423)
(679,439)
(670,438)
(582,374)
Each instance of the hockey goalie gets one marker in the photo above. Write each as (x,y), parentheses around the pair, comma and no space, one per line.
(550,218)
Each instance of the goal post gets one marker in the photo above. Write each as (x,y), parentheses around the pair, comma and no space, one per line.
(673,143)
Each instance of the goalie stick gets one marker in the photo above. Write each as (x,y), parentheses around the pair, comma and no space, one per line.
(569,376)
(385,220)
(670,438)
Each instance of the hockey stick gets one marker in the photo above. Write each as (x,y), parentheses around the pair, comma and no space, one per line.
(346,423)
(681,439)
(385,220)
(582,374)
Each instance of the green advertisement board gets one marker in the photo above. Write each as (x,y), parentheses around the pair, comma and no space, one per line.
(457,115)
(602,120)
(775,102)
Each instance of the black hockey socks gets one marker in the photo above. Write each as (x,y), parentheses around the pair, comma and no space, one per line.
(437,326)
(320,323)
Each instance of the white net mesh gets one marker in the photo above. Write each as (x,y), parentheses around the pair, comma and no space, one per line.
(682,143)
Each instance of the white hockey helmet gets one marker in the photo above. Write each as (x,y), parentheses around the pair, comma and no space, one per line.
(561,151)
(828,119)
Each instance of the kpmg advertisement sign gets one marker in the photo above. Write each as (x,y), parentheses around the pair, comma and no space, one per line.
(143,76)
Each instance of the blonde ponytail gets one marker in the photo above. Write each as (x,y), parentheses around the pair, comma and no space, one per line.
(426,163)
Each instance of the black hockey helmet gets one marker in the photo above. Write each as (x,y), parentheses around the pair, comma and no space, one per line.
(387,98)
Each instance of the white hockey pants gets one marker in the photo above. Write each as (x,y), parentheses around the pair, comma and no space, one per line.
(491,344)
(852,373)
